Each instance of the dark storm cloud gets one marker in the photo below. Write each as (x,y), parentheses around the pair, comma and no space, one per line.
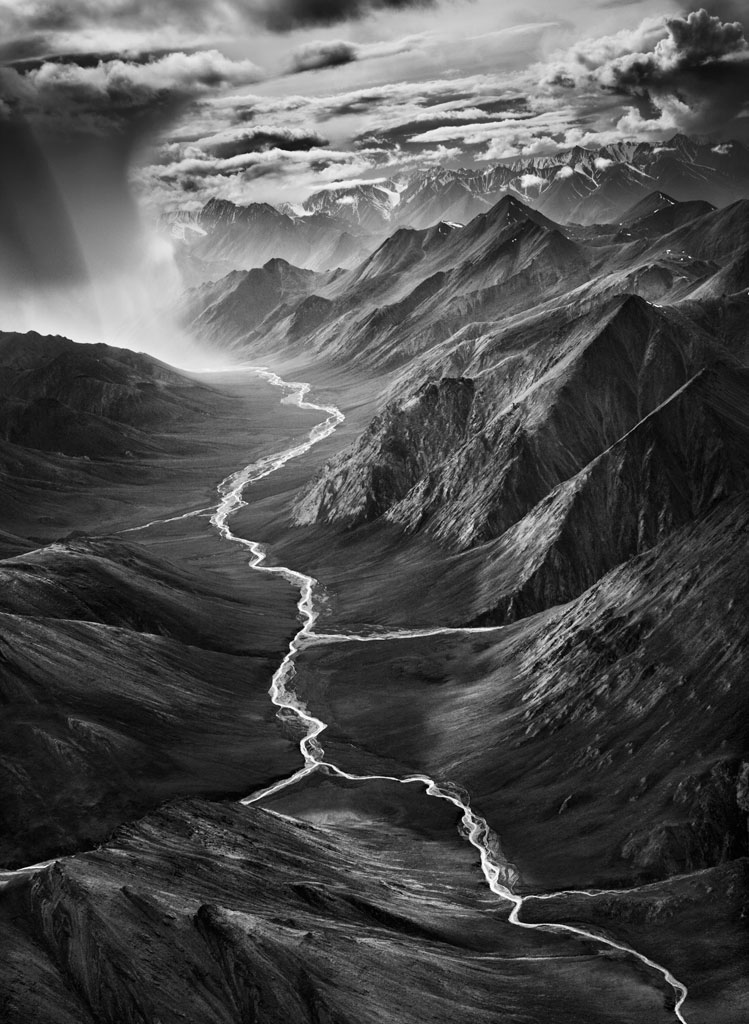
(726,10)
(69,131)
(37,241)
(285,15)
(324,54)
(24,47)
(88,60)
(262,139)
(352,107)
(402,134)
(692,42)
(687,73)
(96,96)
(330,53)
(51,16)
(501,105)
(54,16)
(703,62)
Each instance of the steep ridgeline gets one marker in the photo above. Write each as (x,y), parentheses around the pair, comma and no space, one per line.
(399,447)
(415,290)
(429,291)
(673,467)
(575,186)
(556,456)
(526,361)
(224,311)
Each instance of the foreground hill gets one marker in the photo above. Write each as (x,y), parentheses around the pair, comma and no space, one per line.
(222,913)
(91,400)
(130,671)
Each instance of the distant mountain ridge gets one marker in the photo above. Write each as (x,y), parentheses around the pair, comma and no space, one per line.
(540,375)
(338,226)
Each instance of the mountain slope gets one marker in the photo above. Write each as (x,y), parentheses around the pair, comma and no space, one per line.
(674,466)
(563,405)
(90,400)
(603,739)
(222,913)
(122,679)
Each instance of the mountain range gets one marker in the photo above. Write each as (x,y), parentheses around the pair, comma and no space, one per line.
(337,227)
(503,545)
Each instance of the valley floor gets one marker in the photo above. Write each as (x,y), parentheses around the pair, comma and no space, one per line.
(136,665)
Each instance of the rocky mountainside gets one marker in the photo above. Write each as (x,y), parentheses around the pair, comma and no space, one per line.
(561,399)
(618,716)
(427,291)
(234,305)
(487,420)
(416,289)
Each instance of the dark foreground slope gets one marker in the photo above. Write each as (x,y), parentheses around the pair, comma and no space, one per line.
(133,668)
(126,681)
(80,425)
(220,913)
(93,400)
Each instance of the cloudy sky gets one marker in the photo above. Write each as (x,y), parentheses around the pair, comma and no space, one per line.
(273,99)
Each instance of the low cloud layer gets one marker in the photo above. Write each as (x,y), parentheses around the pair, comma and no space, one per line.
(391,86)
(263,138)
(331,53)
(63,95)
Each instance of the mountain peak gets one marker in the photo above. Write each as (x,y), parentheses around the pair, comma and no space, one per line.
(652,203)
(510,204)
(216,207)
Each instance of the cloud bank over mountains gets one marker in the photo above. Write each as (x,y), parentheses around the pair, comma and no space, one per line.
(261,100)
